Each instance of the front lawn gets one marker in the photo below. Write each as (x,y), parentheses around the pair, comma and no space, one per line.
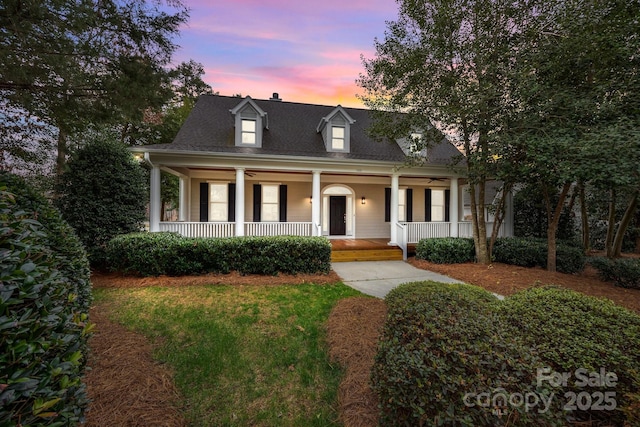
(242,355)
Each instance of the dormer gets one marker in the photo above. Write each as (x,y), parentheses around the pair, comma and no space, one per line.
(335,129)
(249,121)
(414,145)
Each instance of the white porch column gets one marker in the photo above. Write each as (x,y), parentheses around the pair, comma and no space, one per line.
(316,202)
(395,179)
(239,201)
(155,200)
(454,214)
(185,193)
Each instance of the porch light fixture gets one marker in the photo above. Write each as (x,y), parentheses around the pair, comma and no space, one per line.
(363,200)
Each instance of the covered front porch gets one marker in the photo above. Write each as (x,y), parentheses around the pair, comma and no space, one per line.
(344,199)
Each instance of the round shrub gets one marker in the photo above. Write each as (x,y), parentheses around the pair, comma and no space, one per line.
(102,194)
(446,250)
(531,252)
(443,347)
(44,299)
(622,272)
(571,331)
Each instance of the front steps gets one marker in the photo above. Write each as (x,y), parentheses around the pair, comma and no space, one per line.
(349,255)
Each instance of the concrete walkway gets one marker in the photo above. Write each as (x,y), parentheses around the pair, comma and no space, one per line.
(377,278)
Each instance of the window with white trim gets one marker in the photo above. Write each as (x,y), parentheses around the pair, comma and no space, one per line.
(337,137)
(270,202)
(437,205)
(402,204)
(249,131)
(218,202)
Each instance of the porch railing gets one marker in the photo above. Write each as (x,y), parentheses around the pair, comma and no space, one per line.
(423,230)
(278,228)
(465,229)
(402,237)
(200,229)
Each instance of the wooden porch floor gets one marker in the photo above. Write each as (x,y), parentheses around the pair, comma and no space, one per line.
(344,250)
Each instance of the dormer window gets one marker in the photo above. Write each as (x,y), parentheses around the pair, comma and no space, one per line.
(413,146)
(249,131)
(337,138)
(335,130)
(250,120)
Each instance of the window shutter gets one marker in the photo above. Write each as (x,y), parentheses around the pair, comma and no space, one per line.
(427,204)
(257,202)
(231,207)
(447,205)
(387,204)
(409,205)
(204,202)
(283,203)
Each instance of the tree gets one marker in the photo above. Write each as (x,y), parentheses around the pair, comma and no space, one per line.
(70,65)
(577,118)
(451,62)
(103,193)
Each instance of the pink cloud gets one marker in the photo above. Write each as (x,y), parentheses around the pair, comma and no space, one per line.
(305,52)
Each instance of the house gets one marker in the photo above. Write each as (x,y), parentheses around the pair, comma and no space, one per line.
(270,167)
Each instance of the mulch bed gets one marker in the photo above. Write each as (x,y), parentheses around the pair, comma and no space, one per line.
(128,388)
(353,329)
(125,385)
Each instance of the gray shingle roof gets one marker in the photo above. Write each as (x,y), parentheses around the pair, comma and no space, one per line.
(292,132)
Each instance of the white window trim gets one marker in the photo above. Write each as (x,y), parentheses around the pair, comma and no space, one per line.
(225,185)
(263,204)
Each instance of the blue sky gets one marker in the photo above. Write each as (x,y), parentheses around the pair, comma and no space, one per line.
(306,51)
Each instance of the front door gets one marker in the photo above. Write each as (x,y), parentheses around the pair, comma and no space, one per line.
(338,215)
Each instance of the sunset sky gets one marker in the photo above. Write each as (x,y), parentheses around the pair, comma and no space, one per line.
(306,51)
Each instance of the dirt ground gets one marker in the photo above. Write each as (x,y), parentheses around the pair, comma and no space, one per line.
(128,388)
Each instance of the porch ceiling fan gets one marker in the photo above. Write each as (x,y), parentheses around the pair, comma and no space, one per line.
(434,179)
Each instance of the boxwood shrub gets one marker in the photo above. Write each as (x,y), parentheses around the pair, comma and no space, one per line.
(622,272)
(444,346)
(446,250)
(570,331)
(531,252)
(153,254)
(44,299)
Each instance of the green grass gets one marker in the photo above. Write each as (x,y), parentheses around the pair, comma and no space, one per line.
(242,355)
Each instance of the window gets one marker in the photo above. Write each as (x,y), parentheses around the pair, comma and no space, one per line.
(402,204)
(337,137)
(218,202)
(248,131)
(270,202)
(415,143)
(437,205)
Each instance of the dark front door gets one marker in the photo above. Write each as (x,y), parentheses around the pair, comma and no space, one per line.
(338,215)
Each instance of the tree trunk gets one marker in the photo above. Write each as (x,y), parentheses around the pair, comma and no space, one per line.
(61,158)
(553,216)
(624,224)
(608,243)
(584,218)
(499,216)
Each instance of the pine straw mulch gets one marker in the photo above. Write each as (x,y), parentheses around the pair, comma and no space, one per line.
(125,385)
(353,329)
(128,388)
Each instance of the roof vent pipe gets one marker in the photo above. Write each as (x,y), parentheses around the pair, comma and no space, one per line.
(275,97)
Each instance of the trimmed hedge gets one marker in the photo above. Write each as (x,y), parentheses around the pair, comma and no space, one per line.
(622,272)
(442,347)
(154,254)
(530,252)
(571,330)
(45,294)
(446,250)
